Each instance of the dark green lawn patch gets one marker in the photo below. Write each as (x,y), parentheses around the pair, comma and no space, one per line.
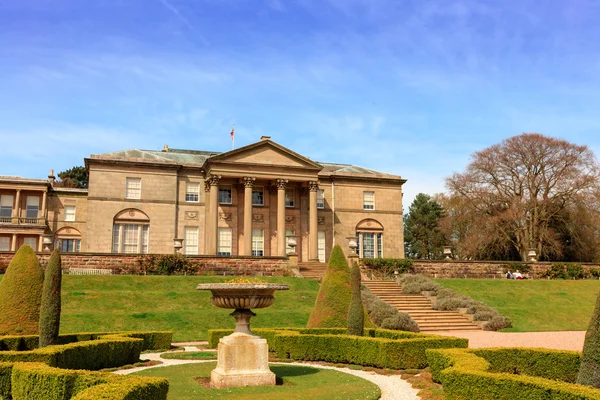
(534,305)
(191,355)
(296,382)
(133,302)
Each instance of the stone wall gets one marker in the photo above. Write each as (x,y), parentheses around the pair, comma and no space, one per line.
(480,269)
(204,265)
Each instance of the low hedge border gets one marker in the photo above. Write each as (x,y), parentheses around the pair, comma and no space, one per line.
(379,348)
(39,381)
(483,374)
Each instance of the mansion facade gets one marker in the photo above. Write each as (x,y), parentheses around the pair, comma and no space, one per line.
(250,201)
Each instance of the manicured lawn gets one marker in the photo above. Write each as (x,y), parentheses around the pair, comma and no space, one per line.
(534,305)
(191,355)
(129,302)
(299,382)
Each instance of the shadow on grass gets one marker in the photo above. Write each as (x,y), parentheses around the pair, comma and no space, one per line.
(284,371)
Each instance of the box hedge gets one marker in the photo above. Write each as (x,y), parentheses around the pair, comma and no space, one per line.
(492,374)
(378,348)
(39,381)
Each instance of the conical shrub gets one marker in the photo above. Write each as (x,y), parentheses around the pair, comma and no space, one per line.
(21,294)
(589,372)
(50,308)
(356,311)
(333,299)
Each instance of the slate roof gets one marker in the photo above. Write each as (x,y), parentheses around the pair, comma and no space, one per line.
(198,157)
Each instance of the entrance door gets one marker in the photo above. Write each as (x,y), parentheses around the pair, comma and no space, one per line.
(321,246)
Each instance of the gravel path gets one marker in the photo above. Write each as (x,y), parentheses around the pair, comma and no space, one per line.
(392,386)
(559,340)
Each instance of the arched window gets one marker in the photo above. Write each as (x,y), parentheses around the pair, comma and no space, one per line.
(369,237)
(67,240)
(131,232)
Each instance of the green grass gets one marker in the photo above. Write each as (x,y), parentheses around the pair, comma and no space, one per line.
(534,305)
(130,302)
(191,355)
(300,382)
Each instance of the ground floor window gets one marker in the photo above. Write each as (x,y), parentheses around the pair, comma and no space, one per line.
(130,238)
(224,245)
(31,241)
(190,240)
(370,244)
(258,242)
(321,246)
(68,245)
(4,243)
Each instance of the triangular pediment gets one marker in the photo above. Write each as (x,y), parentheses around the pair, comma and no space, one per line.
(265,152)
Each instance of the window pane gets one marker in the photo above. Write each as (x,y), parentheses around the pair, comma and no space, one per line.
(6,207)
(145,238)
(224,195)
(224,247)
(78,246)
(289,197)
(369,200)
(258,242)
(320,198)
(190,240)
(380,245)
(116,243)
(33,206)
(69,213)
(130,238)
(368,245)
(258,198)
(4,243)
(192,192)
(133,188)
(31,241)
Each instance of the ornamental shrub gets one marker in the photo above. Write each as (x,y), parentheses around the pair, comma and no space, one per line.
(335,294)
(21,294)
(589,373)
(50,308)
(356,311)
(385,315)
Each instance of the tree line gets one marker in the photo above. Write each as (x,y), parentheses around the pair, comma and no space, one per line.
(528,193)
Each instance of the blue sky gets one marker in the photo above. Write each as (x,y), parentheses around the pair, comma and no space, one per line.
(408,87)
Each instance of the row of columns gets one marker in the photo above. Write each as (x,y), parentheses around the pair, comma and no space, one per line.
(211,188)
(17,209)
(40,243)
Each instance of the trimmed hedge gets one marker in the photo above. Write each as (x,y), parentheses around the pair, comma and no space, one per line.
(378,348)
(39,381)
(5,374)
(90,351)
(470,374)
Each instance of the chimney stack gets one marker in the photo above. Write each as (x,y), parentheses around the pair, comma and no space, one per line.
(51,177)
(165,148)
(265,138)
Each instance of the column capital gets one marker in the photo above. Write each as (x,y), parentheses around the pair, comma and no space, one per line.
(213,180)
(281,184)
(207,186)
(313,186)
(247,181)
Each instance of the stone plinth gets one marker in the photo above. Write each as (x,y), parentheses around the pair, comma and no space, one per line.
(243,360)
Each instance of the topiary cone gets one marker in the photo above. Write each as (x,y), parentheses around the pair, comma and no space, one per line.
(356,311)
(333,299)
(50,308)
(589,372)
(21,294)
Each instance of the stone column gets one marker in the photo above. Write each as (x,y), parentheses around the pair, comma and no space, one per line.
(361,245)
(40,243)
(213,215)
(248,182)
(44,207)
(207,228)
(313,235)
(13,244)
(17,209)
(281,184)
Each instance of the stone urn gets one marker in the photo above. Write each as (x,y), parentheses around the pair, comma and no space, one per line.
(242,357)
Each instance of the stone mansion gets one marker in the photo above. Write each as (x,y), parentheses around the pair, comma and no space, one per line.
(250,201)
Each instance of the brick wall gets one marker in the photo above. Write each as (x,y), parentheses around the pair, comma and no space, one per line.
(124,264)
(479,269)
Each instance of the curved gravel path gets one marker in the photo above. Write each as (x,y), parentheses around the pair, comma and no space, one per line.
(393,387)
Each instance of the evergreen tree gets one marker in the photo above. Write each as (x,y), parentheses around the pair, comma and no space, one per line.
(423,237)
(356,311)
(50,308)
(21,294)
(76,177)
(333,299)
(589,372)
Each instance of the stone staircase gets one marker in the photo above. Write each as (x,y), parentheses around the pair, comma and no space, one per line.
(419,308)
(312,269)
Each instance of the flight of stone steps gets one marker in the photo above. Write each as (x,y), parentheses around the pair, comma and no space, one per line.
(312,269)
(419,308)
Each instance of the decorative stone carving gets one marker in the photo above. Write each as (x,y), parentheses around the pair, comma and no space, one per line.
(281,184)
(258,218)
(214,180)
(132,213)
(225,216)
(191,215)
(290,219)
(207,186)
(320,220)
(313,186)
(247,181)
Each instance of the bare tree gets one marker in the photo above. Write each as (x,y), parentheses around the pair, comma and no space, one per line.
(519,189)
